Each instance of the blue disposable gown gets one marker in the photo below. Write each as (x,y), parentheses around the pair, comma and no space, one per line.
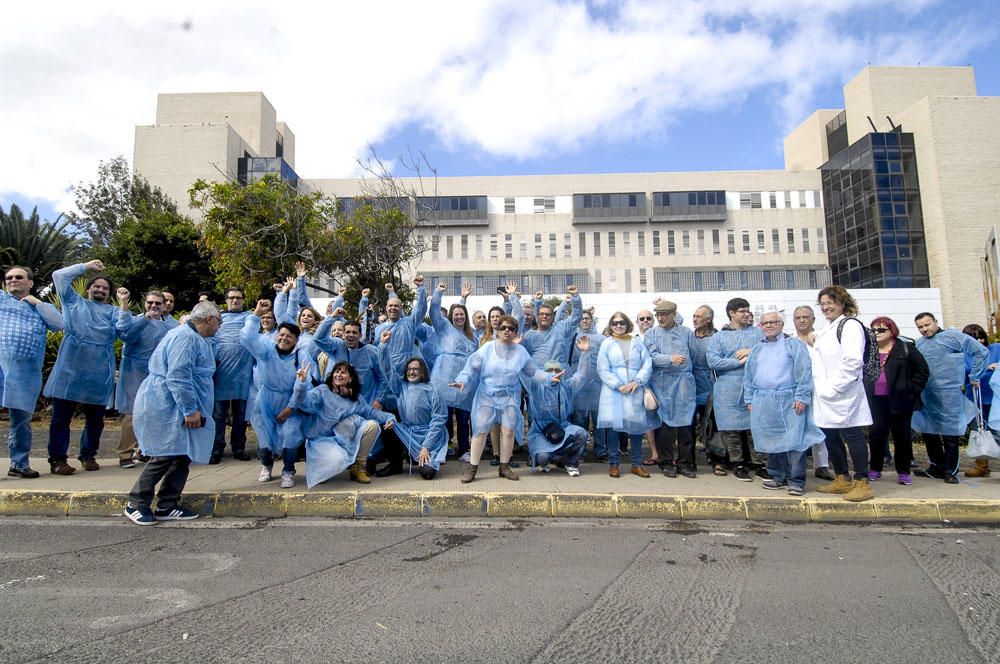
(402,343)
(452,351)
(946,411)
(589,394)
(730,409)
(364,359)
(673,384)
(986,380)
(704,377)
(553,402)
(276,373)
(499,368)
(22,349)
(624,412)
(776,375)
(141,337)
(85,367)
(333,429)
(423,416)
(234,365)
(179,384)
(553,343)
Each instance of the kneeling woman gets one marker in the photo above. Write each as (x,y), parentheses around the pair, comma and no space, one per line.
(500,366)
(340,428)
(422,412)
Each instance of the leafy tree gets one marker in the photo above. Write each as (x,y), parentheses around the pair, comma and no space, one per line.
(158,250)
(253,234)
(40,245)
(115,196)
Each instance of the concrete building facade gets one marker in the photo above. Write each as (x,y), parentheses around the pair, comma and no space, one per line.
(830,216)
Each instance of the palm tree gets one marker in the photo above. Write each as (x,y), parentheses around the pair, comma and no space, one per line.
(40,245)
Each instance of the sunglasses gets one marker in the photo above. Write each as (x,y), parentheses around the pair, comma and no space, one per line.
(880,330)
(643,318)
(616,323)
(507,328)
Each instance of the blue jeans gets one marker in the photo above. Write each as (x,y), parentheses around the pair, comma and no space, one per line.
(635,448)
(238,437)
(840,443)
(583,418)
(266,458)
(19,437)
(62,414)
(568,453)
(788,468)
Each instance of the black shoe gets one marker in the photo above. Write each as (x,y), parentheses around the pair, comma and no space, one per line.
(142,458)
(930,472)
(761,472)
(427,472)
(126,463)
(389,469)
(951,479)
(687,472)
(825,473)
(742,473)
(514,464)
(669,471)
(215,459)
(495,461)
(241,456)
(23,473)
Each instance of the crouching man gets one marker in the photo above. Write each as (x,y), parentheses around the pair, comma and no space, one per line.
(172,417)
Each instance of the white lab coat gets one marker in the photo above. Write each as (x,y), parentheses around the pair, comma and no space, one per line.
(839,399)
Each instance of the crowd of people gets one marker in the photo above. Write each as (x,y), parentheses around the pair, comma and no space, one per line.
(520,376)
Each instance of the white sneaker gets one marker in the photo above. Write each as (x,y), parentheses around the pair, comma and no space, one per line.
(541,469)
(287,480)
(465,458)
(572,471)
(265,474)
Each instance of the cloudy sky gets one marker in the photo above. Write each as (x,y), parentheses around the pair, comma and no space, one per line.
(481,87)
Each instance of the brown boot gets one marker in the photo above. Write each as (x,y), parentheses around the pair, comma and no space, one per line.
(359,474)
(982,469)
(859,492)
(840,484)
(613,471)
(61,468)
(469,473)
(640,471)
(507,473)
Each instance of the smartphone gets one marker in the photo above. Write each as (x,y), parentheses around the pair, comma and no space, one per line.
(501,290)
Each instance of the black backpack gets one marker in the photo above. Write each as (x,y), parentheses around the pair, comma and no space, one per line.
(871,368)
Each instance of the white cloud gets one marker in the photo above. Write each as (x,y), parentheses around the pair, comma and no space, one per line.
(503,78)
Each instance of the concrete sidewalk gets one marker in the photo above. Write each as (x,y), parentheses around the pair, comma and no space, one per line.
(231,489)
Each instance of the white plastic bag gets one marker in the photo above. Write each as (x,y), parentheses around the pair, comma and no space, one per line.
(982,441)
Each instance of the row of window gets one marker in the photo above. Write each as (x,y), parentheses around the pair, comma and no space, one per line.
(779,199)
(552,245)
(637,280)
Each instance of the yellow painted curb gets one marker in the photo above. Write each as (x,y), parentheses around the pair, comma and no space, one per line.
(518,504)
(779,508)
(648,507)
(97,503)
(321,503)
(970,511)
(250,504)
(454,504)
(709,507)
(584,505)
(921,511)
(35,503)
(838,509)
(388,504)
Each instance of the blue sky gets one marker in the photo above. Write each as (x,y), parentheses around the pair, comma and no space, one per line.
(493,87)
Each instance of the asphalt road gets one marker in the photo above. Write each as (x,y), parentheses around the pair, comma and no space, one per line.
(100,590)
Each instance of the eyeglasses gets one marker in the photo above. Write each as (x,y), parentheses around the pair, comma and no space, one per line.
(14,277)
(150,303)
(234,297)
(880,330)
(507,328)
(616,323)
(770,322)
(642,318)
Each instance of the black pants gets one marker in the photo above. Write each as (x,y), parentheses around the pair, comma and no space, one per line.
(942,451)
(898,424)
(674,446)
(173,470)
(739,444)
(848,441)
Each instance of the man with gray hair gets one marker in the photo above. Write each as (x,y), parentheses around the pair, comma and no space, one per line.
(172,417)
(804,320)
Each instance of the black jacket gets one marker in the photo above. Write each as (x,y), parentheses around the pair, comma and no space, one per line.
(906,373)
